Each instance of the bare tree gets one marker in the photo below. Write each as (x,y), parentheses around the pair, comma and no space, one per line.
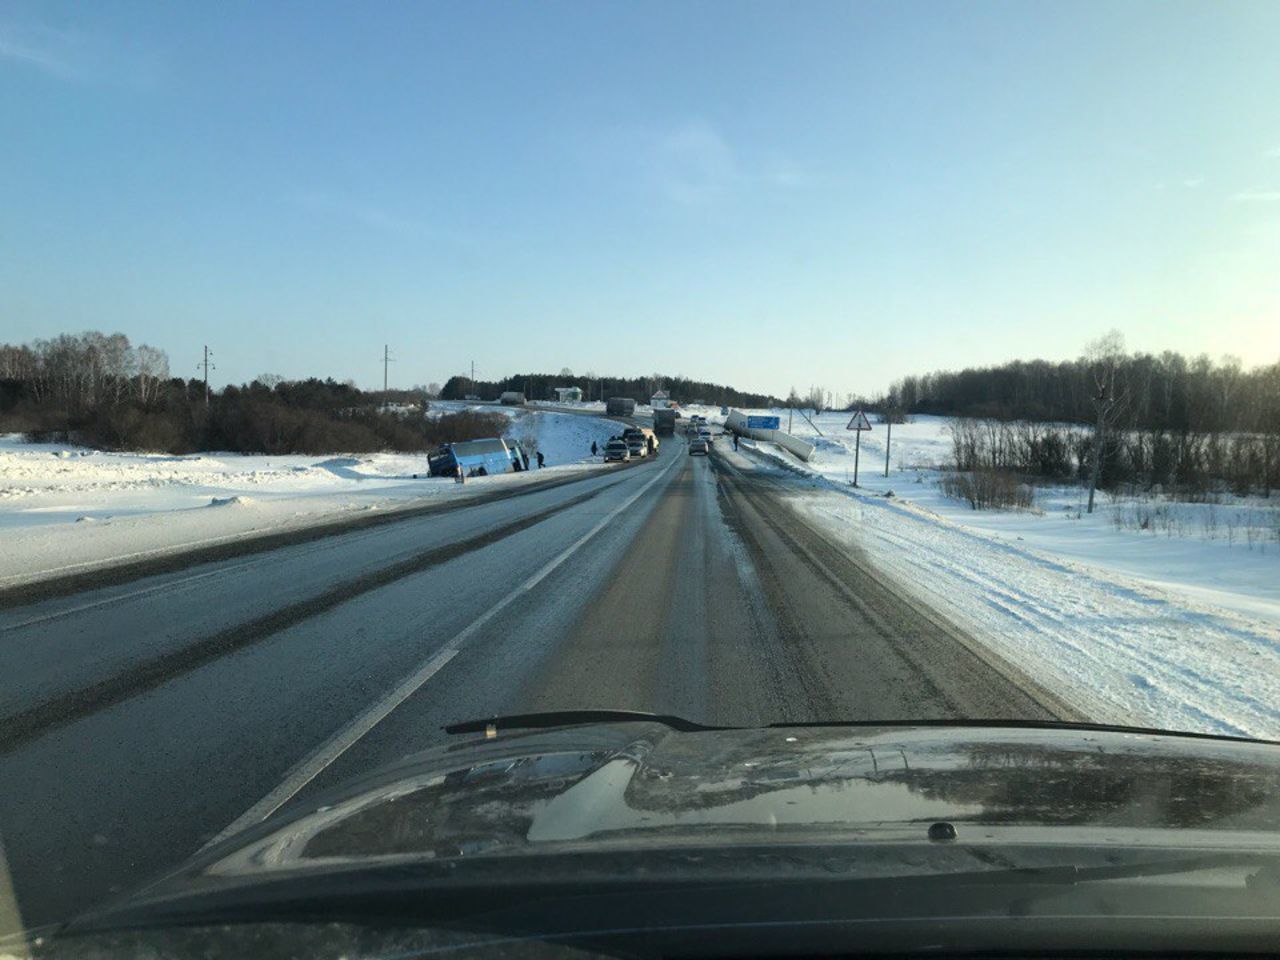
(1103,356)
(816,399)
(152,366)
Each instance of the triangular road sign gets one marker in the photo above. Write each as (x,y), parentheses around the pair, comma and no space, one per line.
(859,422)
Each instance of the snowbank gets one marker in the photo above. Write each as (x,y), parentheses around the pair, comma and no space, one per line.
(65,508)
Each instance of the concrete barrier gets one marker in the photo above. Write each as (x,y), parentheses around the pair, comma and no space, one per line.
(737,423)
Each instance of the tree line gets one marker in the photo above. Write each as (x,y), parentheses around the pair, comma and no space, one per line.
(1167,391)
(541,386)
(102,391)
(1111,419)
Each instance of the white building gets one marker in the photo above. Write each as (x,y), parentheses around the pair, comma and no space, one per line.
(660,400)
(569,394)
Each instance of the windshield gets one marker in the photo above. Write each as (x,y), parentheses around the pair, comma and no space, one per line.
(343,399)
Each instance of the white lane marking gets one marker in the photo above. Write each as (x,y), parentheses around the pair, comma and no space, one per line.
(329,751)
(119,598)
(342,741)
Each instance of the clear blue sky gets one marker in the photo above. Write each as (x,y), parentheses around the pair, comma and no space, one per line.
(764,194)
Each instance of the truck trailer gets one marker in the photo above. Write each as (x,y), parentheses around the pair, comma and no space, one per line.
(664,422)
(620,407)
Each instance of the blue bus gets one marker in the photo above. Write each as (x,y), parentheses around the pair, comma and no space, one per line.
(478,458)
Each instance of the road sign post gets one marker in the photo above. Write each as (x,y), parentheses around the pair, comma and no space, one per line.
(859,422)
(888,437)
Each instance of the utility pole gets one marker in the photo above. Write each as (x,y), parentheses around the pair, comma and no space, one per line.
(386,359)
(206,365)
(1103,402)
(888,438)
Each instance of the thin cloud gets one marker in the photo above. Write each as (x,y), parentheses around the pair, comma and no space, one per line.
(694,164)
(74,56)
(368,215)
(1257,196)
(49,51)
(1273,153)
(1192,182)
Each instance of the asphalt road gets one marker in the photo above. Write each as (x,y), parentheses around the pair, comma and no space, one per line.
(140,720)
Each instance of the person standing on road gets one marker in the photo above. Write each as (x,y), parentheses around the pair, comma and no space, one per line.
(735,441)
(593,448)
(540,463)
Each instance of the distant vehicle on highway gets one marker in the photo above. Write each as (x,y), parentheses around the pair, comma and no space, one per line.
(706,435)
(616,450)
(637,446)
(664,422)
(478,458)
(512,398)
(699,445)
(620,407)
(646,436)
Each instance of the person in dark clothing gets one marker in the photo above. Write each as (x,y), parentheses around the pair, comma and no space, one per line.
(735,441)
(651,445)
(594,448)
(540,463)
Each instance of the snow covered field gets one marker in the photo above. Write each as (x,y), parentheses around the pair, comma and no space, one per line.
(1174,626)
(64,508)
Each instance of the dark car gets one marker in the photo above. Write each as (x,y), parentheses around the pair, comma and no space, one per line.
(618,834)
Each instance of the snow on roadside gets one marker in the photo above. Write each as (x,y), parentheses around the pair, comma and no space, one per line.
(1172,631)
(65,508)
(1226,554)
(563,438)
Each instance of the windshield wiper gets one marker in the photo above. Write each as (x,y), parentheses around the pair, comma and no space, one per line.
(568,718)
(1056,725)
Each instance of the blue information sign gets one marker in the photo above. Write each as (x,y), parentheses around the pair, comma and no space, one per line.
(764,423)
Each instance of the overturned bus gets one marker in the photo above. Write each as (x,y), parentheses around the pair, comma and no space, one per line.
(478,458)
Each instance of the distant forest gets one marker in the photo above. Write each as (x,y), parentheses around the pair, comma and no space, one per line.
(1164,392)
(1190,427)
(541,386)
(102,391)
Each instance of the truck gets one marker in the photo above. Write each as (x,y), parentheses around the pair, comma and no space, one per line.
(664,422)
(478,458)
(620,407)
(512,398)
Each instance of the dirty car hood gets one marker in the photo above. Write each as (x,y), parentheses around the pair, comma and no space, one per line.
(629,785)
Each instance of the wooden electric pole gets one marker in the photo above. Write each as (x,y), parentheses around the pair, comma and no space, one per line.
(888,437)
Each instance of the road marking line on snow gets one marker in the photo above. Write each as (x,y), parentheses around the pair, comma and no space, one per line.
(323,756)
(332,749)
(70,611)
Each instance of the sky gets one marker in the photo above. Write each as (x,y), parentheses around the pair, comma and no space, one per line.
(761,194)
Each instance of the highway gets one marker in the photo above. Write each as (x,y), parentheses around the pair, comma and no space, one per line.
(141,719)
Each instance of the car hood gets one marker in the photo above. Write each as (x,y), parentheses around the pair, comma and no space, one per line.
(486,833)
(628,785)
